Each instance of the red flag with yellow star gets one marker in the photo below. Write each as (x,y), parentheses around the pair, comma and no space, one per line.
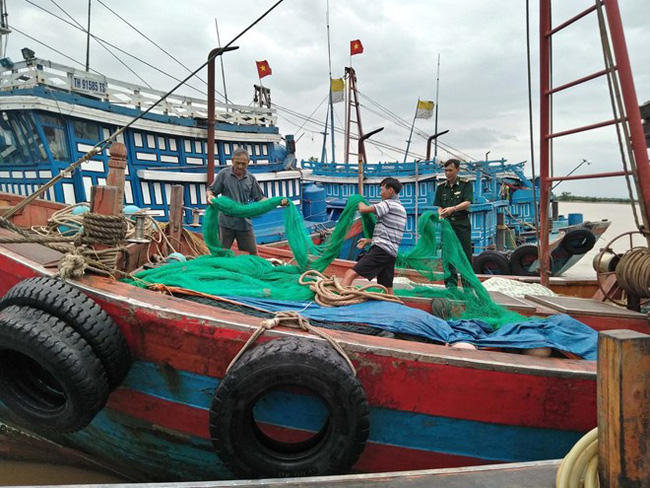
(263,68)
(356,47)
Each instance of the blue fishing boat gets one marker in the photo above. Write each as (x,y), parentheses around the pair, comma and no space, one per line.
(51,115)
(503,212)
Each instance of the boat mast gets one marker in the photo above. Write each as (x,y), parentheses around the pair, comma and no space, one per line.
(4,27)
(88,38)
(329,56)
(435,129)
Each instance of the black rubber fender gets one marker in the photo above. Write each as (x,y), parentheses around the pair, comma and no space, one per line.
(289,363)
(522,258)
(491,262)
(578,240)
(50,378)
(82,314)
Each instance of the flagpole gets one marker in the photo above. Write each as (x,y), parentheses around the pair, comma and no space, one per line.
(435,130)
(408,143)
(329,56)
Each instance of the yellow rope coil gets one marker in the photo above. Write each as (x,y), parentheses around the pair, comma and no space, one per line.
(581,459)
(330,293)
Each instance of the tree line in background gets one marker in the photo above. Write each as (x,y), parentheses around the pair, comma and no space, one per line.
(567,196)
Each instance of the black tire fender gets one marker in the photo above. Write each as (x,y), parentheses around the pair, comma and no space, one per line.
(50,378)
(491,262)
(578,240)
(289,362)
(522,258)
(82,314)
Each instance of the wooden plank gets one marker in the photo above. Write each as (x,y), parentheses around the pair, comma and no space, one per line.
(573,305)
(517,475)
(624,409)
(512,303)
(175,215)
(116,170)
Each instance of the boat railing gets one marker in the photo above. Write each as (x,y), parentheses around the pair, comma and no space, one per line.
(39,72)
(375,169)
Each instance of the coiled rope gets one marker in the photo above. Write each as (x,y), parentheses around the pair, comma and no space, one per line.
(581,459)
(330,293)
(633,272)
(291,319)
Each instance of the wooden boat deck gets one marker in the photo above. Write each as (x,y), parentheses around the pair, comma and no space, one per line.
(540,474)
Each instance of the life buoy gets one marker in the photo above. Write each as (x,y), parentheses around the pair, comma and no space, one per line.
(82,314)
(578,240)
(522,259)
(289,363)
(50,378)
(492,263)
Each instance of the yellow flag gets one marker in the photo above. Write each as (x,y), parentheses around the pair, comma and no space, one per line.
(425,109)
(338,88)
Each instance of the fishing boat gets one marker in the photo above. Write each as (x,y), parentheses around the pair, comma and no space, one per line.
(154,382)
(503,214)
(52,114)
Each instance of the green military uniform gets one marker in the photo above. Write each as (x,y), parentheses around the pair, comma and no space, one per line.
(447,196)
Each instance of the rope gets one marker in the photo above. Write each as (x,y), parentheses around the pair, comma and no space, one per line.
(582,458)
(633,272)
(295,320)
(103,229)
(330,293)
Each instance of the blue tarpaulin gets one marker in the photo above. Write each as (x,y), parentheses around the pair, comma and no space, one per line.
(559,331)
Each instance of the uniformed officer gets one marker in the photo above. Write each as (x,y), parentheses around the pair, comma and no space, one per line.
(453,198)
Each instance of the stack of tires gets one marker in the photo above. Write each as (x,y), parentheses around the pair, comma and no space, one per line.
(523,261)
(60,355)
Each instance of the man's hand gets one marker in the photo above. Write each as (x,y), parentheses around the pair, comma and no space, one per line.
(446,212)
(284,202)
(363,242)
(209,195)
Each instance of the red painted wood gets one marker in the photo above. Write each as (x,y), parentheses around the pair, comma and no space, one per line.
(194,421)
(410,384)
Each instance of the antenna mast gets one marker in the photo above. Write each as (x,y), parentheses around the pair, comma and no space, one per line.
(4,27)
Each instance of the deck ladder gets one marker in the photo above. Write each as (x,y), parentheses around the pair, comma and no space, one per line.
(627,117)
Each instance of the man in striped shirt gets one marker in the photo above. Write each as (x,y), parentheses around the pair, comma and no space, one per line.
(379,261)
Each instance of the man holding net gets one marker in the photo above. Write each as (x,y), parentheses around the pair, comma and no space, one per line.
(379,261)
(453,199)
(240,185)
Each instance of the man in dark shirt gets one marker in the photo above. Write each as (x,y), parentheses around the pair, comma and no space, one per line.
(238,184)
(453,198)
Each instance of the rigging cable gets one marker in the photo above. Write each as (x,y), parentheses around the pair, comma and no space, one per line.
(120,50)
(102,45)
(100,146)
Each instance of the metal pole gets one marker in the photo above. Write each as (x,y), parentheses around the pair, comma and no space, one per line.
(545,141)
(211,115)
(362,156)
(631,109)
(435,129)
(329,56)
(88,38)
(408,143)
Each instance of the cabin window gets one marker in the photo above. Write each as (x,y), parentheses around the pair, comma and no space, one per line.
(86,130)
(19,139)
(57,143)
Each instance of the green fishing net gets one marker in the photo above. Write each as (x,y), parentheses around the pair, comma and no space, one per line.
(434,257)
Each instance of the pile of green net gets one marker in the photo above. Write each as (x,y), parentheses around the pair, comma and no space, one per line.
(225,274)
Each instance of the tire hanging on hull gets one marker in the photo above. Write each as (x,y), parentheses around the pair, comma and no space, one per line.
(80,312)
(50,378)
(285,365)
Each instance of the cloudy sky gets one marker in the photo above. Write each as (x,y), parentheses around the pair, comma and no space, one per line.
(483,98)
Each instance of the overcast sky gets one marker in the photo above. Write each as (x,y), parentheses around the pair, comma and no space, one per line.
(483,98)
